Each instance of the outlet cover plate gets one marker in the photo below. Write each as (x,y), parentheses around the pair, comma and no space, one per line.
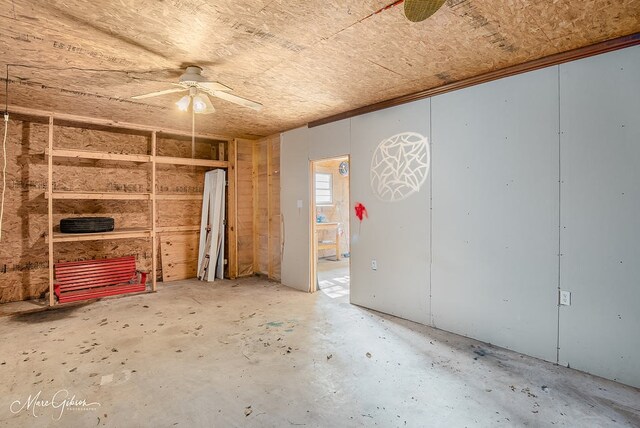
(565,298)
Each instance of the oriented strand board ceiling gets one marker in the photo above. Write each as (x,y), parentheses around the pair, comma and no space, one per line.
(303,59)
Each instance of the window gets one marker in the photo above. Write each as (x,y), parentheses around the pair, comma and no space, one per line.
(324,189)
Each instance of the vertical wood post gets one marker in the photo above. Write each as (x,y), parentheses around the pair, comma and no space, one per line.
(232,217)
(50,210)
(255,158)
(154,240)
(269,208)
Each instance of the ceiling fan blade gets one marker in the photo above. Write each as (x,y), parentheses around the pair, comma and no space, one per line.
(214,86)
(238,100)
(419,10)
(158,93)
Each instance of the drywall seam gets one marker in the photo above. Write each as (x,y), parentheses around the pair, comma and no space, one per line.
(430,217)
(559,214)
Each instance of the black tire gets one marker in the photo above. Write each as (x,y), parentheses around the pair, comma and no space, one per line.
(86,224)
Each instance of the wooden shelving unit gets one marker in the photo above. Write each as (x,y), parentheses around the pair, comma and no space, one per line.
(123,233)
(151,231)
(113,196)
(191,162)
(86,154)
(161,229)
(178,197)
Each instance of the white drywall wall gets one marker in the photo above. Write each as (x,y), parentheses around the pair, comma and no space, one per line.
(294,208)
(495,212)
(600,194)
(396,234)
(298,147)
(329,141)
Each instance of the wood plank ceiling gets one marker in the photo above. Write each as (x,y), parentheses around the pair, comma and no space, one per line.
(303,59)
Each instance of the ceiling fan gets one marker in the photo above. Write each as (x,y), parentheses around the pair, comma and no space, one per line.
(419,10)
(199,88)
(414,10)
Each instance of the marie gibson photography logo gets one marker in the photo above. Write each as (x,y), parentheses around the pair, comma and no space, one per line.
(59,402)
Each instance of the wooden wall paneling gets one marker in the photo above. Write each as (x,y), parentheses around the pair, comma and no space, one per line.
(232,209)
(244,204)
(179,255)
(262,207)
(221,151)
(274,247)
(24,254)
(255,166)
(269,206)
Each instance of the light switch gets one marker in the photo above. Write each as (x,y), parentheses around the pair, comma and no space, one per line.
(299,203)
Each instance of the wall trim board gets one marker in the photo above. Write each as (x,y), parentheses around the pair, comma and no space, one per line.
(551,60)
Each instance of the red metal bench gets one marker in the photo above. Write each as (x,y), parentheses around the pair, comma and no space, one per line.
(91,279)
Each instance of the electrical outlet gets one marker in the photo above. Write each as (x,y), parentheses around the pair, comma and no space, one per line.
(299,203)
(374,264)
(565,298)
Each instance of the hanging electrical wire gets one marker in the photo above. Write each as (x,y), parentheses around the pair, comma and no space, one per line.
(4,148)
(4,168)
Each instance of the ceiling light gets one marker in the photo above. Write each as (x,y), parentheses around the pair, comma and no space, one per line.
(198,104)
(202,104)
(183,104)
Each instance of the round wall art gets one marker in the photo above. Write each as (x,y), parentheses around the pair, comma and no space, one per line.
(400,166)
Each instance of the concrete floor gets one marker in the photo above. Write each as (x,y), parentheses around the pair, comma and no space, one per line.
(254,353)
(334,277)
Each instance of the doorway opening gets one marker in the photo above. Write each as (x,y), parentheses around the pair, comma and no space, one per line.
(330,267)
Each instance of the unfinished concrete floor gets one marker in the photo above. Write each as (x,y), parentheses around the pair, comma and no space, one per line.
(334,277)
(254,353)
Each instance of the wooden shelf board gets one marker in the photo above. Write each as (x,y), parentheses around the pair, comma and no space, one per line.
(100,195)
(110,123)
(191,162)
(124,233)
(178,197)
(165,229)
(86,154)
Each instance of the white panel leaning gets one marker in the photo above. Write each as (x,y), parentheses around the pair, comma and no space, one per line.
(211,249)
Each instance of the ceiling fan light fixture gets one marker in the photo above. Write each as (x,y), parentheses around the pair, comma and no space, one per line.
(183,103)
(198,87)
(202,104)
